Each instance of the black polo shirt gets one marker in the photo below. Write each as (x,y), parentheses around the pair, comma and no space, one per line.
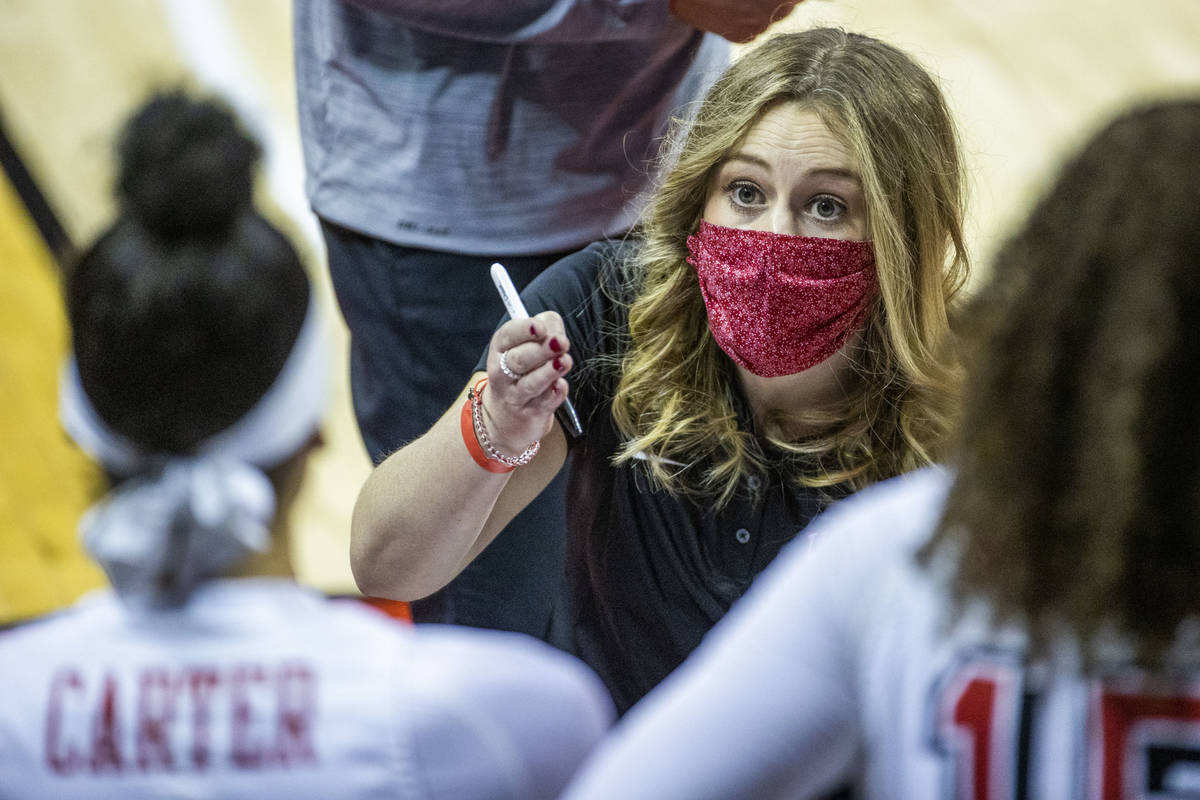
(648,574)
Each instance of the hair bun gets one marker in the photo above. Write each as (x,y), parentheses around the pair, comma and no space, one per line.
(186,166)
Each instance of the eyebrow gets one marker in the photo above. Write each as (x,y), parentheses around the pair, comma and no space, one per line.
(837,172)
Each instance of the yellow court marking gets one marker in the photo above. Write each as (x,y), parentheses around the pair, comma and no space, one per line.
(45,481)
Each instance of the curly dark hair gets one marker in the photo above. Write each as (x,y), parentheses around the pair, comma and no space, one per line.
(1077,500)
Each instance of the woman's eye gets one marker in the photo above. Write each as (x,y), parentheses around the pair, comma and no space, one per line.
(745,194)
(826,208)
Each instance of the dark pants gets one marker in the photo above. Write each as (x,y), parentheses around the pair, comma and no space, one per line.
(419,321)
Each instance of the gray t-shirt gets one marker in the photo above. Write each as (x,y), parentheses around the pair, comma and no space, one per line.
(509,128)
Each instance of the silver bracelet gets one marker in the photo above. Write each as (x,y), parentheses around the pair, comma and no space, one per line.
(486,443)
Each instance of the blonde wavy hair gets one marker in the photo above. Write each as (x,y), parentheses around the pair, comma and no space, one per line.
(675,399)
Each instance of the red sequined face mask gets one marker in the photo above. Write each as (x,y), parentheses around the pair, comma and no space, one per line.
(780,304)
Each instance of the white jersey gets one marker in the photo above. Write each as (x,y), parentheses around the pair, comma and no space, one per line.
(838,667)
(259,688)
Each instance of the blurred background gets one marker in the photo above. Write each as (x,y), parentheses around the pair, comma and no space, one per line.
(1026,78)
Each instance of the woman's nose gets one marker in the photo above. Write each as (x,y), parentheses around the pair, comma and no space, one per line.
(785,221)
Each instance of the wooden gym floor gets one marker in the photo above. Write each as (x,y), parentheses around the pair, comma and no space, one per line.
(1027,79)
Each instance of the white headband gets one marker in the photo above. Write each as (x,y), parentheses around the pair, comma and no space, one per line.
(276,427)
(198,514)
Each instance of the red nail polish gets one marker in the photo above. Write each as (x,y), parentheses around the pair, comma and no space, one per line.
(558,364)
(554,345)
(532,330)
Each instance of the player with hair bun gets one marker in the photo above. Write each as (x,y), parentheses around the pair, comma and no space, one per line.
(197,378)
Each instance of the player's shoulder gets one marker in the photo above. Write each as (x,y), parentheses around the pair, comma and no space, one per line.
(522,713)
(450,655)
(92,613)
(905,502)
(897,514)
(847,553)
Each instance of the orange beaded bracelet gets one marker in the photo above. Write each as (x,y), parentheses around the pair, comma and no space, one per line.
(479,445)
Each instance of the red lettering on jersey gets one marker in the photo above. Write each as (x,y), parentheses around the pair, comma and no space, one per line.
(977,729)
(64,762)
(1141,745)
(297,700)
(1122,717)
(973,713)
(271,712)
(203,683)
(106,748)
(247,753)
(156,711)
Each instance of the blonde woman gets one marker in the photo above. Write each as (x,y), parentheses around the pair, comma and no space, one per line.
(1026,624)
(770,339)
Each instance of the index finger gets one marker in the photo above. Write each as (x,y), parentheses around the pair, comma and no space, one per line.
(541,328)
(549,325)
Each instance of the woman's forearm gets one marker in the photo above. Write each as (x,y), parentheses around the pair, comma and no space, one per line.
(428,509)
